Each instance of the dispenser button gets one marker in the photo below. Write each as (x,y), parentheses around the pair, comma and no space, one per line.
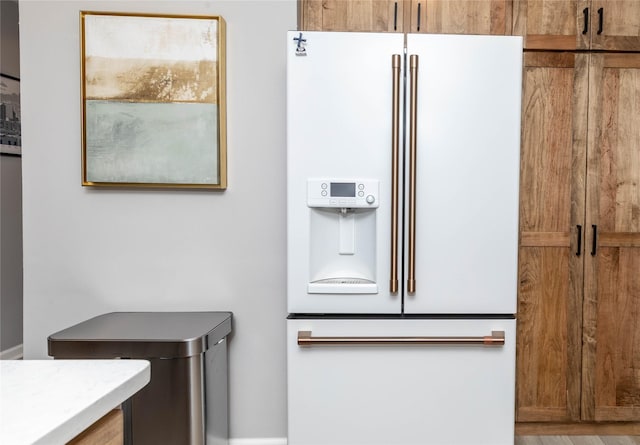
(370,199)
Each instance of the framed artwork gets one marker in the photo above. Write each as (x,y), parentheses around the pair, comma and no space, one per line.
(10,130)
(153,100)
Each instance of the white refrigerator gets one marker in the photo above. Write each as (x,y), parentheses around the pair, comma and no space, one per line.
(402,212)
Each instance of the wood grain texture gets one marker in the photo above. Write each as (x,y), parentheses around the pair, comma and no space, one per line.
(535,41)
(630,429)
(106,431)
(351,15)
(549,239)
(620,25)
(489,17)
(550,24)
(561,24)
(430,16)
(619,239)
(551,206)
(611,353)
(542,359)
(577,440)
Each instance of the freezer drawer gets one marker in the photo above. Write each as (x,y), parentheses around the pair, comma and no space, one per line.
(418,394)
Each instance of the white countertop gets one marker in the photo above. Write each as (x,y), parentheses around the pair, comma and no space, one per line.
(52,401)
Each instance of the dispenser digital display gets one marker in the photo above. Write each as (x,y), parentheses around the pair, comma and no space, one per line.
(339,193)
(343,189)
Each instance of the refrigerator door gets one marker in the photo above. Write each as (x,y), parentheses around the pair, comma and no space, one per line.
(401,395)
(339,132)
(467,127)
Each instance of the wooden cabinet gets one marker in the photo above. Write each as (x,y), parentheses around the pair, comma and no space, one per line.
(426,16)
(552,204)
(109,430)
(579,272)
(612,25)
(351,15)
(460,16)
(611,357)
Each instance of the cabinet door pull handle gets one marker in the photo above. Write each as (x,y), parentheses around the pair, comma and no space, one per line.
(600,20)
(419,8)
(595,239)
(395,16)
(586,21)
(579,251)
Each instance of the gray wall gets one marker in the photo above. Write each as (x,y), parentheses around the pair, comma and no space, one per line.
(88,252)
(10,198)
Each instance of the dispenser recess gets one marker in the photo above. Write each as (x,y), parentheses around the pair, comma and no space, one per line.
(343,236)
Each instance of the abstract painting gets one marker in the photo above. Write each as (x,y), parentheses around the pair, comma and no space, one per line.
(153,99)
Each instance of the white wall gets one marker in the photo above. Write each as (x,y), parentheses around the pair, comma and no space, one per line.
(88,252)
(10,201)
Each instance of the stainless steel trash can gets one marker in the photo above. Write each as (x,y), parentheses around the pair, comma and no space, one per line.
(186,401)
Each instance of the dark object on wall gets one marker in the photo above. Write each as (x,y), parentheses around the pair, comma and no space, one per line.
(10,128)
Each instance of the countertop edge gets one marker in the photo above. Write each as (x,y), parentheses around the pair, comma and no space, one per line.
(78,406)
(85,418)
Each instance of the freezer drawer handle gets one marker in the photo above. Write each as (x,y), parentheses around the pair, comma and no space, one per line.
(305,339)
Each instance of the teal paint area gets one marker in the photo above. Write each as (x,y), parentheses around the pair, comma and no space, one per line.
(159,143)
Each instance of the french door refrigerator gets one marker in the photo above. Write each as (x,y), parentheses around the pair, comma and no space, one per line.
(402,212)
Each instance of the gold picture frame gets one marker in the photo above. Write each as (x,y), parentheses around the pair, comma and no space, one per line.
(153,100)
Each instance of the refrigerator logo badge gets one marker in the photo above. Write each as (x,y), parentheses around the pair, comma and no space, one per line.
(300,49)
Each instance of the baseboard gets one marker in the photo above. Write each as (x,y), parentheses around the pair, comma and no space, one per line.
(14,353)
(261,441)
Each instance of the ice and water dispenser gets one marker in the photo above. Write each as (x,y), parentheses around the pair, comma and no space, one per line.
(342,236)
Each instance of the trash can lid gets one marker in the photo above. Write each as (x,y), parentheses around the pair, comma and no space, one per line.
(141,335)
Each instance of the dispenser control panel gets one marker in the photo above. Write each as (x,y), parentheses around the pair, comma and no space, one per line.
(354,193)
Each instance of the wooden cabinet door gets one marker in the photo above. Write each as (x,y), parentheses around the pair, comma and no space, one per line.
(615,25)
(416,16)
(552,196)
(460,16)
(350,15)
(552,24)
(578,24)
(611,355)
